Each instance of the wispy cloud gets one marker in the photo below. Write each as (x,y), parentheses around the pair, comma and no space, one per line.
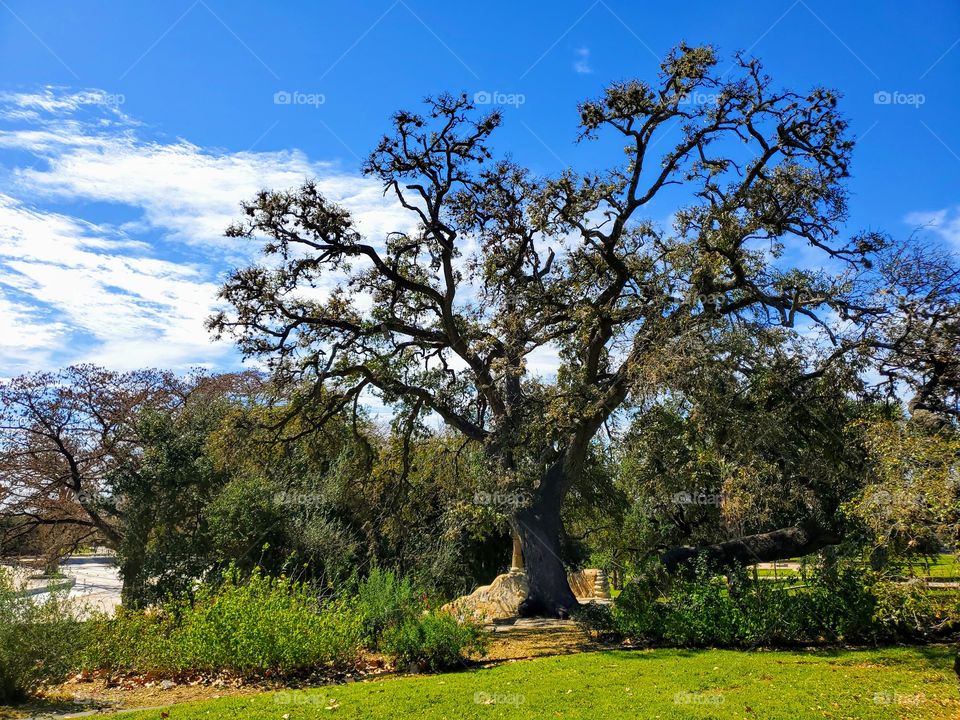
(944,223)
(581,65)
(111,246)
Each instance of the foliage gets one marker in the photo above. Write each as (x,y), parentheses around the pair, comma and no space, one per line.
(39,641)
(385,600)
(230,477)
(254,624)
(166,544)
(910,506)
(250,625)
(732,453)
(433,640)
(831,603)
(397,619)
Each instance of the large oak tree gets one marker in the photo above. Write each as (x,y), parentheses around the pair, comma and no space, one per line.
(442,318)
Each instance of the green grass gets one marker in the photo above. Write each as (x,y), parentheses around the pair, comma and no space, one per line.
(945,567)
(778,573)
(889,683)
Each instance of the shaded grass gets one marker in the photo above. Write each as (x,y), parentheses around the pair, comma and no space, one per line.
(889,683)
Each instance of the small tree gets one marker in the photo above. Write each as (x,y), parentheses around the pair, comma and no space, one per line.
(443,317)
(61,435)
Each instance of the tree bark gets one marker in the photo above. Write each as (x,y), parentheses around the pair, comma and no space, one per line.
(538,527)
(781,544)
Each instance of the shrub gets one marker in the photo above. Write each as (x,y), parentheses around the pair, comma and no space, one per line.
(384,600)
(433,640)
(840,602)
(275,624)
(913,610)
(701,611)
(248,626)
(39,640)
(596,620)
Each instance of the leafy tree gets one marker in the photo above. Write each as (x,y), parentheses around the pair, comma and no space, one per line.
(441,318)
(348,495)
(166,540)
(61,436)
(914,321)
(736,449)
(910,504)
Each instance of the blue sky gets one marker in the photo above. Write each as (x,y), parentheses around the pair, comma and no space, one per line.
(129,132)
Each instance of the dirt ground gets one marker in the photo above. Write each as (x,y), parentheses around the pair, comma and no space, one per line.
(535,638)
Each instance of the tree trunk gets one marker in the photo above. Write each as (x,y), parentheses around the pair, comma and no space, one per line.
(538,527)
(780,544)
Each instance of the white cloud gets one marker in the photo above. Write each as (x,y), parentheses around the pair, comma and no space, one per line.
(135,293)
(944,223)
(582,64)
(119,294)
(184,190)
(85,298)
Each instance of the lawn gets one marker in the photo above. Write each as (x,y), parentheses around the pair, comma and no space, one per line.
(889,683)
(944,567)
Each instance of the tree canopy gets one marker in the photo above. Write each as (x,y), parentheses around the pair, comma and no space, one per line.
(443,317)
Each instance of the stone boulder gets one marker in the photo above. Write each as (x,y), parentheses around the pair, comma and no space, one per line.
(496,601)
(500,599)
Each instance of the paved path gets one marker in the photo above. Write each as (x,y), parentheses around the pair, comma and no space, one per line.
(97,581)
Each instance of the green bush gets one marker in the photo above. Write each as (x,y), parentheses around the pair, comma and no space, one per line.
(828,604)
(397,620)
(433,640)
(701,611)
(637,612)
(39,641)
(261,624)
(248,626)
(596,620)
(913,610)
(384,600)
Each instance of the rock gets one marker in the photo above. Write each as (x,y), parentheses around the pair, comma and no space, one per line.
(167,684)
(501,599)
(589,583)
(496,601)
(601,588)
